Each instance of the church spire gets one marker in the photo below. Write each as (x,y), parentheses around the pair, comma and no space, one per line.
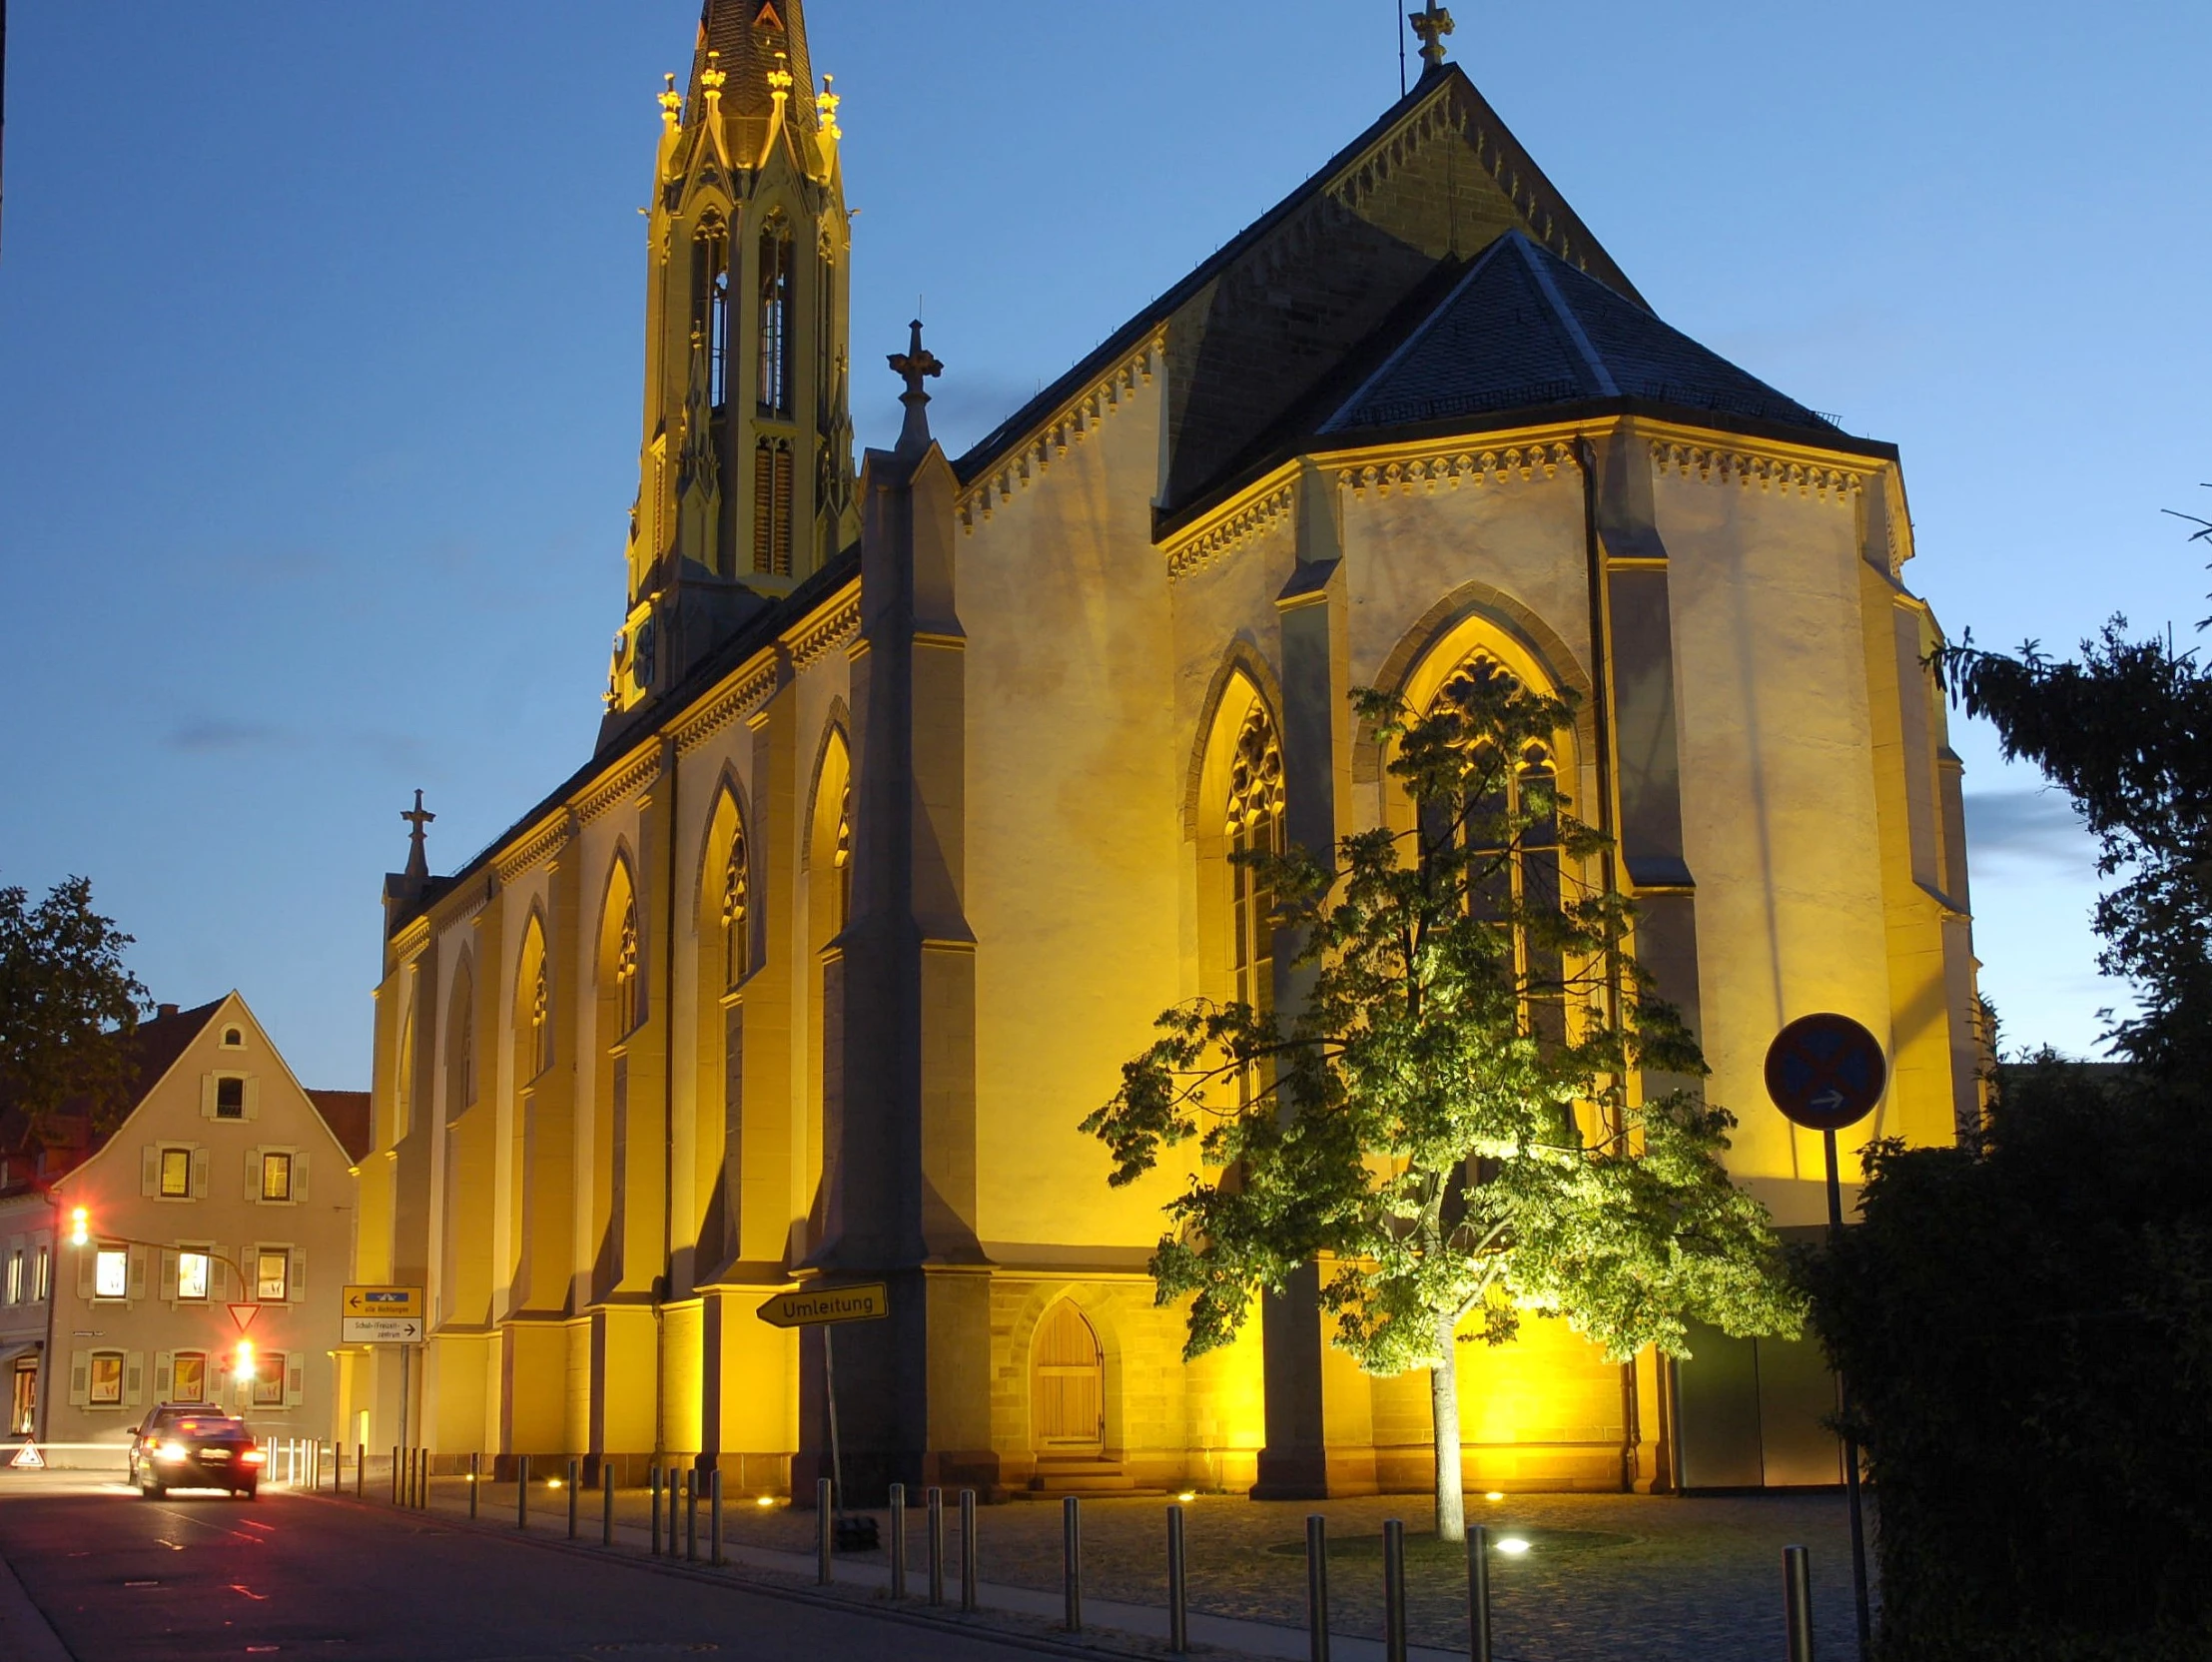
(746,37)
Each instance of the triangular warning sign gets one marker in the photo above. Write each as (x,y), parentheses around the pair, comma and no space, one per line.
(243,1316)
(29,1457)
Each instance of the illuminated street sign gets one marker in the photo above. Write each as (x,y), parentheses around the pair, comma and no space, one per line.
(380,1330)
(381,1301)
(818,1307)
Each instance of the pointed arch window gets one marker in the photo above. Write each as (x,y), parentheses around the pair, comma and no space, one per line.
(710,318)
(1256,807)
(541,1021)
(628,1008)
(737,920)
(775,316)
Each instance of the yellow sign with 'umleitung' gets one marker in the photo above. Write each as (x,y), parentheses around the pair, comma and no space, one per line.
(816,1306)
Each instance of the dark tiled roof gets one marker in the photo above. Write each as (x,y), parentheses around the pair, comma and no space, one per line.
(1522,328)
(347,1114)
(70,1139)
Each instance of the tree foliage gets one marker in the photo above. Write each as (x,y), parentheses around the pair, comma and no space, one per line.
(67,1007)
(1446,1120)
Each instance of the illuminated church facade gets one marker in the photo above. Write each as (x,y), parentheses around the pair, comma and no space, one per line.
(914,798)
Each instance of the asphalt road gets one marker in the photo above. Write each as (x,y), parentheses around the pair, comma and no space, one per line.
(121,1579)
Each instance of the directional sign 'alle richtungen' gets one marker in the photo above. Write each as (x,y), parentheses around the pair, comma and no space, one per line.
(1826,1072)
(381,1301)
(816,1306)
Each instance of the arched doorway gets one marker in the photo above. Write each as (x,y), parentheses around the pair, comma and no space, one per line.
(1067,1385)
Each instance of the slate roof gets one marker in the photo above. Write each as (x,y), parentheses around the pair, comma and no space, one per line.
(1523,330)
(347,1114)
(69,1139)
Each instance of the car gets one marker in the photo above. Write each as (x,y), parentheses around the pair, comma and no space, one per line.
(195,1445)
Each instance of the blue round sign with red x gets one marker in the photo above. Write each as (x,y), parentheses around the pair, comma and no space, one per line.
(1826,1072)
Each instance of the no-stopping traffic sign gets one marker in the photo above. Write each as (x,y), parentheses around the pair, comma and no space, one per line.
(1826,1072)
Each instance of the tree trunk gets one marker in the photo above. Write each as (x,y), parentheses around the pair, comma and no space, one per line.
(1451,1499)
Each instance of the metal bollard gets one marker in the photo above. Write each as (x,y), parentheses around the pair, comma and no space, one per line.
(575,1481)
(1071,1563)
(1478,1594)
(1797,1599)
(395,1474)
(714,1517)
(476,1483)
(652,1481)
(967,1550)
(1393,1591)
(692,1515)
(1178,1619)
(360,1469)
(607,1501)
(825,1533)
(936,1500)
(898,1502)
(1317,1587)
(521,1492)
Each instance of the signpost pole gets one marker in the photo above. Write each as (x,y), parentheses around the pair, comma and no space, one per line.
(1851,1443)
(828,1390)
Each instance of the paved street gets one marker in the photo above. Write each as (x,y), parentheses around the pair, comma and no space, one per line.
(124,1580)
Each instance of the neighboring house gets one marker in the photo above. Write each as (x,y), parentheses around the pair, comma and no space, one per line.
(224,1196)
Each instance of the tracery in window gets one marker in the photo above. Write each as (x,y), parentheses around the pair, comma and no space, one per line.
(710,288)
(1256,806)
(842,859)
(627,1010)
(737,955)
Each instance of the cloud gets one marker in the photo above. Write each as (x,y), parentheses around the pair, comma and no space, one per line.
(2036,827)
(214,734)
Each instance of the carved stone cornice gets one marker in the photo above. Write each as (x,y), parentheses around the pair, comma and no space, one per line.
(642,770)
(1071,423)
(744,693)
(824,631)
(1768,469)
(534,846)
(1229,530)
(1428,467)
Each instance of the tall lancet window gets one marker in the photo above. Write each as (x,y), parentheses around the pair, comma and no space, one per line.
(710,288)
(737,919)
(842,859)
(541,1021)
(775,316)
(629,1010)
(772,506)
(1255,827)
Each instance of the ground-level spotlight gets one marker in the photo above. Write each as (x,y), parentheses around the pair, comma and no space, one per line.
(1513,1546)
(1495,1494)
(765,1501)
(1187,1495)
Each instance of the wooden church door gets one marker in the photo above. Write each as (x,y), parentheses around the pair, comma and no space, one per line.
(1067,1385)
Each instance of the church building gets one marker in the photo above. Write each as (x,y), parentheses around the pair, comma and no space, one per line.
(916,791)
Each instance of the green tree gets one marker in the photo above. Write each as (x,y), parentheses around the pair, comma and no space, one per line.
(1447,1120)
(67,1006)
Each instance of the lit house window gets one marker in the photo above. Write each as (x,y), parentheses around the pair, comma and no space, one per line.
(230,1098)
(193,1274)
(15,1276)
(111,1273)
(105,1383)
(176,1174)
(45,1273)
(269,1381)
(271,1274)
(275,1176)
(191,1379)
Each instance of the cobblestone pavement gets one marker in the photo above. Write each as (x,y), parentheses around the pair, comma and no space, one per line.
(1606,1577)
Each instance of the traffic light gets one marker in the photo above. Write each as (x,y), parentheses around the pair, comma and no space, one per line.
(244,1362)
(80,1226)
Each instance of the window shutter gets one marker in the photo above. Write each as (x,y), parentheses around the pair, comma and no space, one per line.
(164,1374)
(214,1378)
(207,1096)
(87,1261)
(299,1176)
(150,1170)
(138,1272)
(299,1286)
(199,1174)
(253,1098)
(134,1379)
(296,1379)
(169,1279)
(219,1272)
(253,1174)
(80,1378)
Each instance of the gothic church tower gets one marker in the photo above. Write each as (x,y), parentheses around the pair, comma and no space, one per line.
(745,473)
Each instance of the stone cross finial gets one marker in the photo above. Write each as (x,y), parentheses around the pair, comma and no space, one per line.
(1432,23)
(419,859)
(671,102)
(914,364)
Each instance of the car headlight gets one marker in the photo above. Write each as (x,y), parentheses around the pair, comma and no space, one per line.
(172,1451)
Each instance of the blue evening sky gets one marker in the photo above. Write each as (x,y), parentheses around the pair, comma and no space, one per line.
(319,360)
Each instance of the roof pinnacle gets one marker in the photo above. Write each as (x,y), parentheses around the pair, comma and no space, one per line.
(1432,23)
(711,80)
(671,102)
(824,105)
(419,859)
(914,364)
